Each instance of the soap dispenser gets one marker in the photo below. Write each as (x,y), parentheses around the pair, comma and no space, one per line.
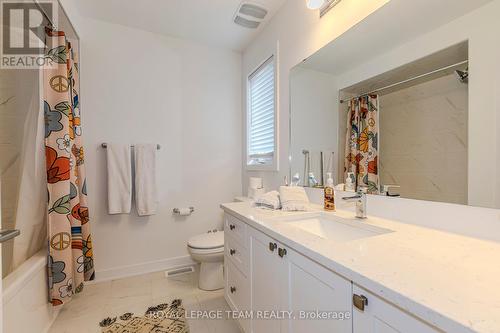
(329,193)
(350,182)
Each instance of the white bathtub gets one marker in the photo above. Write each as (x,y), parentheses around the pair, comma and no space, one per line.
(25,298)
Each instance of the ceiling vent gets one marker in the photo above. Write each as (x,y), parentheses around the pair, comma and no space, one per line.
(250,15)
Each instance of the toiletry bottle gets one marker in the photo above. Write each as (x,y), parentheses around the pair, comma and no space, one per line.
(329,193)
(349,182)
(312,180)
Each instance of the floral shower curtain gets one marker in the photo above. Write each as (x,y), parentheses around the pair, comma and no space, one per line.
(361,150)
(70,261)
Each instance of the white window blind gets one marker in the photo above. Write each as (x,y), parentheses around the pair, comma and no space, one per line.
(261,117)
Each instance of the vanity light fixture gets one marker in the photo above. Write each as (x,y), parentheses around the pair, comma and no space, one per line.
(315,4)
(323,5)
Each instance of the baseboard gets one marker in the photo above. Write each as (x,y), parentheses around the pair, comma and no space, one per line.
(143,268)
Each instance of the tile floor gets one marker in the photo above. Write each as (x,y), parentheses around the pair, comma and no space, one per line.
(136,294)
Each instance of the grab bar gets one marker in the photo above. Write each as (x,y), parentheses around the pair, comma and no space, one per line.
(6,235)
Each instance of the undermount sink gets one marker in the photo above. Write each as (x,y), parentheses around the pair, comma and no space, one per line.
(333,228)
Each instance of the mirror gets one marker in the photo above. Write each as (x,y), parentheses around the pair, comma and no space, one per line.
(401,119)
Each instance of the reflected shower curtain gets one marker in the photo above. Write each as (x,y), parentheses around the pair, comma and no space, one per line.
(70,243)
(361,150)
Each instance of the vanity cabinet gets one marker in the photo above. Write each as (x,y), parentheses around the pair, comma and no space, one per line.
(273,280)
(372,314)
(286,282)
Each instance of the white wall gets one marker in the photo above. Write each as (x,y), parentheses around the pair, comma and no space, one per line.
(296,32)
(143,87)
(313,110)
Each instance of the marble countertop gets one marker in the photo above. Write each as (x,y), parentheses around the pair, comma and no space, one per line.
(447,280)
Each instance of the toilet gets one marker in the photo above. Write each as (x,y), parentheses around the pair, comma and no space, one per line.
(208,250)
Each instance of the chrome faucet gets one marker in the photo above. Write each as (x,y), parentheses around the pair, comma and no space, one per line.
(360,199)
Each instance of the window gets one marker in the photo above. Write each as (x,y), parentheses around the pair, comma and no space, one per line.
(261,117)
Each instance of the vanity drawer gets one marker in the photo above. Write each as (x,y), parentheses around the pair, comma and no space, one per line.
(236,253)
(238,293)
(236,229)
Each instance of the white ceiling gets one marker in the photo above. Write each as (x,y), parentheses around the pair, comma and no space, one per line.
(206,21)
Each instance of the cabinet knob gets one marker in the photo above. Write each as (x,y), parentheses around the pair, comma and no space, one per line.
(359,301)
(232,252)
(281,252)
(272,246)
(232,226)
(233,290)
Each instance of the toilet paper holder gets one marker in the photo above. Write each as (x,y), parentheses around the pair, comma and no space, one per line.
(178,210)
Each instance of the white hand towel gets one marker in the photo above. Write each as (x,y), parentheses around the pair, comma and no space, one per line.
(270,200)
(119,179)
(146,198)
(294,198)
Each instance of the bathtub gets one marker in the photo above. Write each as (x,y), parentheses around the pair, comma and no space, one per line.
(25,298)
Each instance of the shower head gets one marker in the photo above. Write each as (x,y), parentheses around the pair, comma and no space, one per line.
(305,151)
(463,76)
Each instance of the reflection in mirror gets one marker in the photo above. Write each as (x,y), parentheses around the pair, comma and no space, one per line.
(313,125)
(420,142)
(400,133)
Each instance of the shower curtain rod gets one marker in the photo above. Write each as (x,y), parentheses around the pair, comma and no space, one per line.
(40,8)
(49,20)
(408,80)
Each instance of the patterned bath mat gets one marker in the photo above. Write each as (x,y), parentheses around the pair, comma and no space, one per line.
(162,318)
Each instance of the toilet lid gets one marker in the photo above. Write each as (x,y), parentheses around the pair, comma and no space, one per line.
(209,240)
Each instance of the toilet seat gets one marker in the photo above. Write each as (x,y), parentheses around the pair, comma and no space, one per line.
(216,250)
(209,243)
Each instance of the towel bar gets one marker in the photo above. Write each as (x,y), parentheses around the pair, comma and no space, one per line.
(105,145)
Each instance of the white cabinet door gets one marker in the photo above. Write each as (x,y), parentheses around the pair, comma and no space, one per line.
(237,293)
(286,282)
(267,281)
(314,291)
(379,316)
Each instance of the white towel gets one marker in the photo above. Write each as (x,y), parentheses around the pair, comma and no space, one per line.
(294,198)
(145,179)
(270,200)
(119,179)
